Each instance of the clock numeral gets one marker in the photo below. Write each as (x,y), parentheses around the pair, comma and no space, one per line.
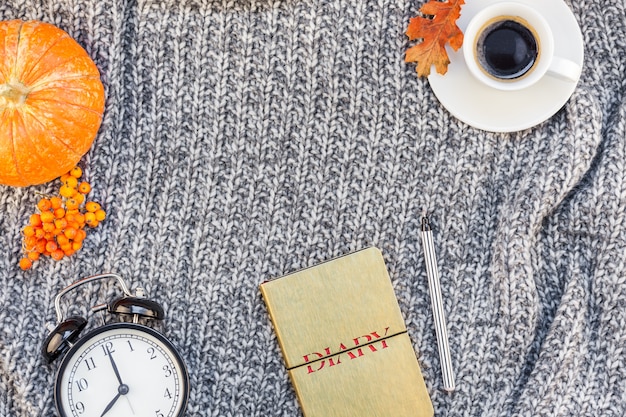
(80,407)
(108,348)
(159,413)
(91,364)
(152,353)
(168,371)
(167,394)
(82,384)
(130,345)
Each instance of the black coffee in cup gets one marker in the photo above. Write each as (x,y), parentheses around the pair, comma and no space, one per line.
(506,49)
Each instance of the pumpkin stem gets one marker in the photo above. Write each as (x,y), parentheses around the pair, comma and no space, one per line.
(13,94)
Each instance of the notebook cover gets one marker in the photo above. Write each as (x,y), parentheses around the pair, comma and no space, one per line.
(344,340)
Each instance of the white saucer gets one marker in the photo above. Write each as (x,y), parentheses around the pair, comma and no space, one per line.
(509,111)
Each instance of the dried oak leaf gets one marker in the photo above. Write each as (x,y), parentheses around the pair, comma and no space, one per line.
(435,31)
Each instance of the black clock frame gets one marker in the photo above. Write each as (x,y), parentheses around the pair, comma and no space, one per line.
(121,325)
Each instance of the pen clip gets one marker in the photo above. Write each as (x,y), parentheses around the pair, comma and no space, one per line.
(425,224)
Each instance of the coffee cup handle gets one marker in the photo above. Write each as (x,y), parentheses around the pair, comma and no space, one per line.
(565,69)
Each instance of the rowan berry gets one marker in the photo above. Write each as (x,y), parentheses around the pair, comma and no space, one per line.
(76,172)
(67,191)
(84,187)
(100,215)
(60,223)
(57,254)
(90,219)
(30,242)
(59,213)
(25,263)
(62,240)
(33,255)
(72,204)
(51,246)
(80,236)
(92,206)
(28,231)
(44,204)
(41,246)
(47,217)
(35,219)
(70,233)
(80,198)
(71,182)
(80,218)
(56,202)
(39,232)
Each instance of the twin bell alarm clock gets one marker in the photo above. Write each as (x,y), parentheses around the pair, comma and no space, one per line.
(120,369)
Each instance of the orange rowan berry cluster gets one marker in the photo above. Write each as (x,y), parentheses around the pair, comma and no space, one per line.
(58,230)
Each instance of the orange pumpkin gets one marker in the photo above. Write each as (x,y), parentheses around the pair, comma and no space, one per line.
(51,102)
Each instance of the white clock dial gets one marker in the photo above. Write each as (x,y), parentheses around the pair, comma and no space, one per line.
(122,370)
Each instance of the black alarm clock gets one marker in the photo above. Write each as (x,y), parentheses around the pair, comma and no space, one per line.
(120,369)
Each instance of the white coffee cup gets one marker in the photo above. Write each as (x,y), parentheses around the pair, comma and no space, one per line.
(510,46)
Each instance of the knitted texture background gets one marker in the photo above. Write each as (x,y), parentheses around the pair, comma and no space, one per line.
(243,140)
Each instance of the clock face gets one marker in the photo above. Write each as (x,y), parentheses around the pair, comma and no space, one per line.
(122,370)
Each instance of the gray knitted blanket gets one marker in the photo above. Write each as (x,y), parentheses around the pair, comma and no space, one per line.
(243,140)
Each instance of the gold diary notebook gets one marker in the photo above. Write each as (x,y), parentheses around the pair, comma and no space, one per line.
(344,340)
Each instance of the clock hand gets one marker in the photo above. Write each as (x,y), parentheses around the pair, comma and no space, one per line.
(130,405)
(117,373)
(121,390)
(109,405)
